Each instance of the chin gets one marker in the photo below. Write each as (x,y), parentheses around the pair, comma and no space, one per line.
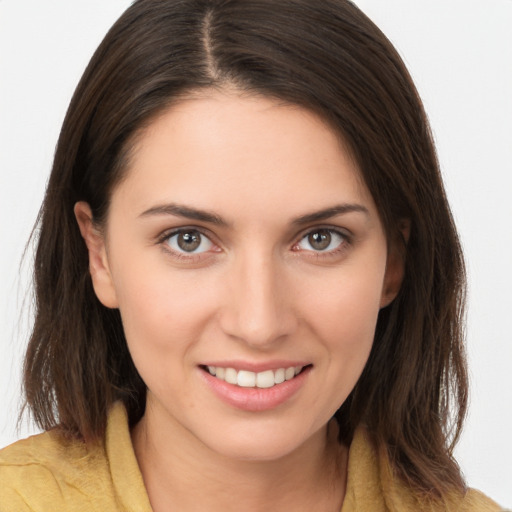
(259,443)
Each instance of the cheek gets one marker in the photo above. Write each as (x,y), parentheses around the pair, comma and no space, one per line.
(348,332)
(348,302)
(163,313)
(343,313)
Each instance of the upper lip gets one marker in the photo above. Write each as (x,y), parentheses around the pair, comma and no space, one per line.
(256,367)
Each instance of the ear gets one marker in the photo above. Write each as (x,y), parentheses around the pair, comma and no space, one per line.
(395,265)
(98,260)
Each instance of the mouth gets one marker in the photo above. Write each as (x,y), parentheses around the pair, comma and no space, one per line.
(248,379)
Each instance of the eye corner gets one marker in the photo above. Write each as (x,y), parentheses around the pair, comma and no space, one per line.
(320,239)
(194,245)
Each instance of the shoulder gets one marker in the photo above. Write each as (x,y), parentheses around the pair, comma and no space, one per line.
(373,485)
(476,501)
(51,472)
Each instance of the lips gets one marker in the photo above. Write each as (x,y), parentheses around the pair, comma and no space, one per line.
(260,388)
(248,379)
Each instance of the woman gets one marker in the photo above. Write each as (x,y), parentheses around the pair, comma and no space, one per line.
(249,285)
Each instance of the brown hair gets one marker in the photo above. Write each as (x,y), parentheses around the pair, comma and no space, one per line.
(330,58)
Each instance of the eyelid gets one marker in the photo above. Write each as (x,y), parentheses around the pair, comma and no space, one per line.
(163,237)
(345,234)
(167,233)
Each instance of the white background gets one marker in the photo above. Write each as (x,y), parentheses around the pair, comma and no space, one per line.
(460,55)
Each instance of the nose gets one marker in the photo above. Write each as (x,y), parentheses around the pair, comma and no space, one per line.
(258,307)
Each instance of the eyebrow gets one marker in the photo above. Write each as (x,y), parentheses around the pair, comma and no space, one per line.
(186,212)
(332,211)
(212,218)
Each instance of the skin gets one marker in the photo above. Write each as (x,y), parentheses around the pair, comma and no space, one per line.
(256,291)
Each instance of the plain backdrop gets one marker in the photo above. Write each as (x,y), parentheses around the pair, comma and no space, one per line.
(460,55)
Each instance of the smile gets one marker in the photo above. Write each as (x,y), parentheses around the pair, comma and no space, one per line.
(248,379)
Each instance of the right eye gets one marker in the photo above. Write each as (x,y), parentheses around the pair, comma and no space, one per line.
(322,240)
(189,241)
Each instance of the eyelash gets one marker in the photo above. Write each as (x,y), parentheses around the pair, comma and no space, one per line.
(346,241)
(344,244)
(163,240)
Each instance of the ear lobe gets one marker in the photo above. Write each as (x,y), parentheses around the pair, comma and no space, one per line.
(98,260)
(395,265)
(393,279)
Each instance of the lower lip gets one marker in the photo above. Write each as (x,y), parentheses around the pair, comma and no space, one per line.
(256,399)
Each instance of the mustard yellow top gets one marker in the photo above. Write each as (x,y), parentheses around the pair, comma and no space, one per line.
(47,473)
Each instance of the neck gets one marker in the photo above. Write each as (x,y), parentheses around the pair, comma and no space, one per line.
(184,474)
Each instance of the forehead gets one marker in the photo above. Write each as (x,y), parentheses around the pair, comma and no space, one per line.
(226,150)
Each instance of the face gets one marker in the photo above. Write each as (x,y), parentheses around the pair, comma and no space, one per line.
(249,264)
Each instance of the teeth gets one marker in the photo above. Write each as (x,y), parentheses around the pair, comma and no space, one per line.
(289,373)
(231,376)
(265,379)
(247,379)
(279,376)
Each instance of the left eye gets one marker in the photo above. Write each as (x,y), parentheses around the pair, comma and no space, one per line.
(321,240)
(189,241)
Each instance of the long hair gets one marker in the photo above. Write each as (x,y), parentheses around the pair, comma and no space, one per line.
(325,56)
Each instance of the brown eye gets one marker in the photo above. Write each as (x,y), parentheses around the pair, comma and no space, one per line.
(325,240)
(320,240)
(191,241)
